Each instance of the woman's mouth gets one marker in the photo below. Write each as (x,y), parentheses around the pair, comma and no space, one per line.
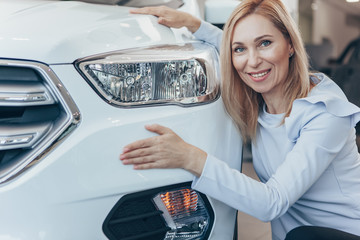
(259,76)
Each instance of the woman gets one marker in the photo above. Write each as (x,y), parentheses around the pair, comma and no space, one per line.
(301,127)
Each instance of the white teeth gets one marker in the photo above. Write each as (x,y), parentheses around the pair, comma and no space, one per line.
(257,75)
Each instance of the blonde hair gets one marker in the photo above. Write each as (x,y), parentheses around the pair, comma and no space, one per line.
(243,103)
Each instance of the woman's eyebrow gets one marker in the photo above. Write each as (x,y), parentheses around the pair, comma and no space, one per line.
(255,40)
(236,43)
(262,36)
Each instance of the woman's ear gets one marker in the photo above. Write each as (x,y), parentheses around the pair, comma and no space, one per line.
(291,50)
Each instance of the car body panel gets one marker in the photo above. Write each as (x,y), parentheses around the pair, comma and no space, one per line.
(52,32)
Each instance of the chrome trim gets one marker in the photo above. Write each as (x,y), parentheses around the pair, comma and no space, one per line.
(131,3)
(23,97)
(13,137)
(24,94)
(15,140)
(71,121)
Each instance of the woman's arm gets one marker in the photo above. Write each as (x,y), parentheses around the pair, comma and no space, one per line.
(176,19)
(170,17)
(320,141)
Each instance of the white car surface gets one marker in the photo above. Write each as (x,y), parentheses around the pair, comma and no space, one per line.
(62,130)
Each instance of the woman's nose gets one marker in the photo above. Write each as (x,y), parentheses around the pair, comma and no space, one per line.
(254,58)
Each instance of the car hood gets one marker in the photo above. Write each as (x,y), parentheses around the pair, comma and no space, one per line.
(57,32)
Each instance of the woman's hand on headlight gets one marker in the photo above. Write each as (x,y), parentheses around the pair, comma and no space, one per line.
(171,17)
(167,150)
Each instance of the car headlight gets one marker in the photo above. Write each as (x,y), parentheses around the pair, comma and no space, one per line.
(171,74)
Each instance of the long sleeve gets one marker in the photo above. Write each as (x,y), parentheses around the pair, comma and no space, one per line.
(210,34)
(310,157)
(235,189)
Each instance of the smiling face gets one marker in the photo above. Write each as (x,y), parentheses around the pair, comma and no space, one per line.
(260,55)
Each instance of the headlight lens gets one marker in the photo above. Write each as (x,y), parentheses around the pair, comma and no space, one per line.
(183,75)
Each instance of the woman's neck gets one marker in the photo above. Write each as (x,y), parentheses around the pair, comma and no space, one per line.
(275,105)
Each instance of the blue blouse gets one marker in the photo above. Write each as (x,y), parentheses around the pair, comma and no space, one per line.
(309,167)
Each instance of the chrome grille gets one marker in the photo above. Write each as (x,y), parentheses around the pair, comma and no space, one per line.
(36,113)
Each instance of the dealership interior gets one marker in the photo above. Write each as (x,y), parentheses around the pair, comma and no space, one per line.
(114,126)
(331,33)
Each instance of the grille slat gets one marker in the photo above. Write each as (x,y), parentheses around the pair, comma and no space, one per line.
(11,73)
(136,217)
(161,231)
(24,93)
(10,134)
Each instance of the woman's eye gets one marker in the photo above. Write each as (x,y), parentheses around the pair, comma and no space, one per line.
(239,50)
(265,43)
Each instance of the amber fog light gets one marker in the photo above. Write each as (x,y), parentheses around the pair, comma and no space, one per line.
(184,212)
(173,212)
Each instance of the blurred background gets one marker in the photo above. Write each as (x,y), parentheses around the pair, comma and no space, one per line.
(331,32)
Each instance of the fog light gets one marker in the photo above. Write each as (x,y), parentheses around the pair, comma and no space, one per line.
(184,212)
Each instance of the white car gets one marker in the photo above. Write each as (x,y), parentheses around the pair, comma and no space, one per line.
(78,81)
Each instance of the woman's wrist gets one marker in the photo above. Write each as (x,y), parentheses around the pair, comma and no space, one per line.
(193,23)
(195,161)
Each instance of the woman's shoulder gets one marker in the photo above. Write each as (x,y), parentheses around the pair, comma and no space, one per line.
(325,99)
(209,33)
(205,29)
(327,96)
